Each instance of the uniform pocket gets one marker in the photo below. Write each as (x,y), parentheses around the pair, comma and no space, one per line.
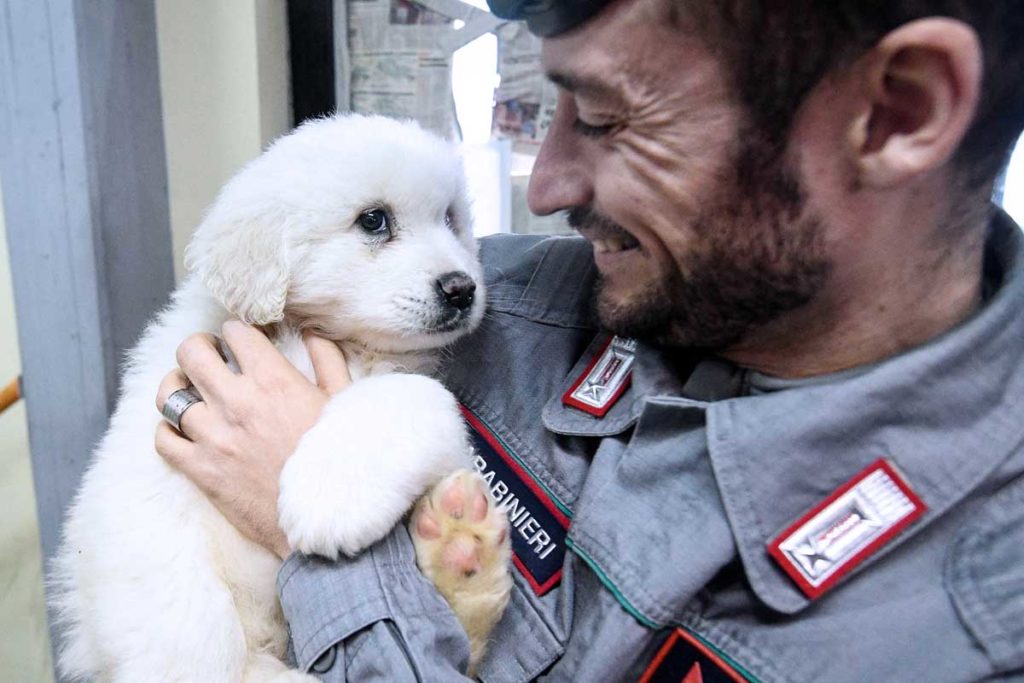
(523,646)
(985,576)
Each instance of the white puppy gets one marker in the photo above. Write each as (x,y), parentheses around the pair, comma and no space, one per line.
(357,227)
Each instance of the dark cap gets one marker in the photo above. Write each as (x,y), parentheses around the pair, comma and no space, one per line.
(547,18)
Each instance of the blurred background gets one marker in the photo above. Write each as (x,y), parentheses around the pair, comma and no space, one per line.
(186,92)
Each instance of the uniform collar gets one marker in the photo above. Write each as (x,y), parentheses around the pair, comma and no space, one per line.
(656,372)
(947,414)
(686,379)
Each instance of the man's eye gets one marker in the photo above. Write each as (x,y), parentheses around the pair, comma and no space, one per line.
(374,222)
(587,130)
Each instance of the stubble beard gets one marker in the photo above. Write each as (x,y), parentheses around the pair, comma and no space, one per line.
(761,255)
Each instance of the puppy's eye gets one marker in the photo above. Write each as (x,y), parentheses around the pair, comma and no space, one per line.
(374,222)
(449,220)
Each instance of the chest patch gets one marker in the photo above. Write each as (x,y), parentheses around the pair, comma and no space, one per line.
(684,659)
(846,528)
(537,527)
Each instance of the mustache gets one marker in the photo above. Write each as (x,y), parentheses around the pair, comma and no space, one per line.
(588,218)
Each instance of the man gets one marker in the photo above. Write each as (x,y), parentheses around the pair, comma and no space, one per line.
(816,470)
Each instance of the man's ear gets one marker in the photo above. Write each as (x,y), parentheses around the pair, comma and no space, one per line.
(921,87)
(242,261)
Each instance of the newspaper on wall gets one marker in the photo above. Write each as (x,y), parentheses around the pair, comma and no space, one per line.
(400,58)
(524,103)
(400,55)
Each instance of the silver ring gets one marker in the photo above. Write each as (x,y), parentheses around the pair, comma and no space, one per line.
(177,403)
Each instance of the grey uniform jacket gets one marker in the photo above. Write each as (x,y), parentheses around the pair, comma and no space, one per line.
(652,558)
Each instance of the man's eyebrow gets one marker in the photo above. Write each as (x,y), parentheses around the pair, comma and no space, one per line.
(580,85)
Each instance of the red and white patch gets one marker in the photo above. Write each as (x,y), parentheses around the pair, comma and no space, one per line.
(605,379)
(846,528)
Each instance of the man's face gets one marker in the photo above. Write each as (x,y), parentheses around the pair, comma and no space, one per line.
(699,232)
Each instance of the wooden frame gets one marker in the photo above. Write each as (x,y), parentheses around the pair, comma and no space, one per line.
(85,203)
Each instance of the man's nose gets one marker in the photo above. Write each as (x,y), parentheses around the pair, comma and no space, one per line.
(561,177)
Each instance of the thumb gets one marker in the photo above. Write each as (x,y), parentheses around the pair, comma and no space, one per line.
(329,364)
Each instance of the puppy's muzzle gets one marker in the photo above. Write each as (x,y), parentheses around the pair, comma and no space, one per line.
(456,290)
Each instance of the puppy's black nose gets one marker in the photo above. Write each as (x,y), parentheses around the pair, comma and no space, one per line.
(456,289)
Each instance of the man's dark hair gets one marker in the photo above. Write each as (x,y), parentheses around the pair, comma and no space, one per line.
(779,50)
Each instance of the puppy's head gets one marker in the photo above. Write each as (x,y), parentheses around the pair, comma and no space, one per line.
(356,226)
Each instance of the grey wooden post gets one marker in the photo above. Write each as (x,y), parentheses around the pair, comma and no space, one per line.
(342,58)
(84,180)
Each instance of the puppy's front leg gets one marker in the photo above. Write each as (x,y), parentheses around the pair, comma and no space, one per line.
(376,448)
(462,546)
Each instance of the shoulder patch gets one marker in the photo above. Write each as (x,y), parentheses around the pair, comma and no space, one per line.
(846,528)
(605,380)
(537,527)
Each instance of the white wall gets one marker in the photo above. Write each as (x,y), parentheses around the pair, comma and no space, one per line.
(1013,191)
(224,83)
(25,645)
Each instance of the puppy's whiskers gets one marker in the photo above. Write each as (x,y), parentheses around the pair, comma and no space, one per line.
(416,312)
(413,300)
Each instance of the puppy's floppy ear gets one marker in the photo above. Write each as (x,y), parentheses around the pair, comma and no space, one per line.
(242,260)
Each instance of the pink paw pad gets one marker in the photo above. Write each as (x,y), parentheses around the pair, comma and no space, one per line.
(453,499)
(427,525)
(457,526)
(462,555)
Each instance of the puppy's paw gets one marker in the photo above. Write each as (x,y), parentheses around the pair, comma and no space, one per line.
(322,520)
(458,530)
(357,472)
(462,546)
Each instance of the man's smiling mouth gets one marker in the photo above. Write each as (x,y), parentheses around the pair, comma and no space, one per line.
(613,245)
(607,236)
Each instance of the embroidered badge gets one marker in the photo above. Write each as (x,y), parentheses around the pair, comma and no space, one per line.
(684,659)
(846,528)
(605,379)
(537,527)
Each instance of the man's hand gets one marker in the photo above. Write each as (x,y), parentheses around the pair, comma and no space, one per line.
(238,439)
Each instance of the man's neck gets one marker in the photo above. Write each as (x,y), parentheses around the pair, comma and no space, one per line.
(871,311)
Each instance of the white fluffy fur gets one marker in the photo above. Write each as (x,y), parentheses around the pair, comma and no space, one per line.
(153,583)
